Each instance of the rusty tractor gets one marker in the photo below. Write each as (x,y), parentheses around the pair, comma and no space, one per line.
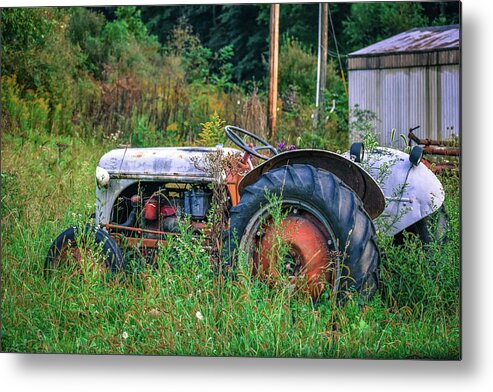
(330,206)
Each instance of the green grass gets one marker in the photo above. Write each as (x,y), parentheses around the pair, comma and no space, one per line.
(46,188)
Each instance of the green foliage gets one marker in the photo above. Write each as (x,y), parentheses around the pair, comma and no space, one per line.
(111,77)
(221,68)
(26,31)
(85,33)
(246,27)
(297,71)
(373,22)
(362,124)
(212,132)
(181,305)
(425,279)
(297,85)
(293,22)
(30,37)
(108,74)
(144,134)
(131,18)
(200,63)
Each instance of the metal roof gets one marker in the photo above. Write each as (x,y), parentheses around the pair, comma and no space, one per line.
(416,40)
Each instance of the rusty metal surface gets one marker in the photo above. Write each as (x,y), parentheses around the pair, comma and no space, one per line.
(437,147)
(350,173)
(405,60)
(142,242)
(431,142)
(136,229)
(195,225)
(307,262)
(417,39)
(145,242)
(436,150)
(441,168)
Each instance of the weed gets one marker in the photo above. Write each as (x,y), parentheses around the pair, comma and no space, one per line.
(156,311)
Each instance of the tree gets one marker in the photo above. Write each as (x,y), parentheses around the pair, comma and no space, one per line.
(368,23)
(372,22)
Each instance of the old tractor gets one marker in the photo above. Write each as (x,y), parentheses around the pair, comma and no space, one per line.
(330,205)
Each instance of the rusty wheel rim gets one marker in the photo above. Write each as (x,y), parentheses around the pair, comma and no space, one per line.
(79,257)
(312,258)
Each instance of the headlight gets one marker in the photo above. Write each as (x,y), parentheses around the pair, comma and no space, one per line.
(416,155)
(357,151)
(102,177)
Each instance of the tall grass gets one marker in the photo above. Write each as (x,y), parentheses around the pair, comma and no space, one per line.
(182,306)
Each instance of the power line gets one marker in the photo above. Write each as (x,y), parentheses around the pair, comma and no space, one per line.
(337,49)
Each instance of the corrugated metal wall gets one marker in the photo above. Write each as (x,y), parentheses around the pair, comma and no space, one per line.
(406,97)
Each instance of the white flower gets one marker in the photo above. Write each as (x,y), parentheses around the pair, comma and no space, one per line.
(125,335)
(199,276)
(199,315)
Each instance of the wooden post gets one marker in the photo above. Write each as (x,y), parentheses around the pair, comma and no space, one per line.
(273,69)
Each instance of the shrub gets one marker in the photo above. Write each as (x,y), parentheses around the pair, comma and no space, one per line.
(212,132)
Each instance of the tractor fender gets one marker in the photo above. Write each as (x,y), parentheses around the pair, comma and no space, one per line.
(354,176)
(411,192)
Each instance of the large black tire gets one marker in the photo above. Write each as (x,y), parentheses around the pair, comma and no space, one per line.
(335,206)
(112,255)
(432,228)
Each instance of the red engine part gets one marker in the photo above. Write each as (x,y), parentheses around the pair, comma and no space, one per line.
(168,210)
(135,200)
(151,209)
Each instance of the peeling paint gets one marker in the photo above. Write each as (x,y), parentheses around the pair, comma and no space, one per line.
(163,162)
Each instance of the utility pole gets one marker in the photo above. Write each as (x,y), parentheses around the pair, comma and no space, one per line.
(323,42)
(273,69)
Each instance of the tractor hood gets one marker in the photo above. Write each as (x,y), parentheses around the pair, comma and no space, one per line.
(177,163)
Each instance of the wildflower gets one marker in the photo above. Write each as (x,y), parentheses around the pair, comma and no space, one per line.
(125,335)
(199,315)
(199,276)
(281,145)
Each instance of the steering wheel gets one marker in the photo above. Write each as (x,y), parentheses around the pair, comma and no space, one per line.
(233,133)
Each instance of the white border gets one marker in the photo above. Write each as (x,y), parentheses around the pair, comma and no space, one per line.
(473,373)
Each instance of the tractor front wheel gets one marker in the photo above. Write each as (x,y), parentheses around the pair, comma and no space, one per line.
(314,231)
(79,245)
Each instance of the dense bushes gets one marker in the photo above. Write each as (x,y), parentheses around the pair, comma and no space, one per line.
(71,71)
(297,89)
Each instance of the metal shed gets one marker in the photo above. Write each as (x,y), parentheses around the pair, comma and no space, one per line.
(410,79)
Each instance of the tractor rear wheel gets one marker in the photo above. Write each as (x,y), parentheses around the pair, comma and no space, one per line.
(329,239)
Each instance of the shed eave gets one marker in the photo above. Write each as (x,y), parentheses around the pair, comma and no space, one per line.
(398,53)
